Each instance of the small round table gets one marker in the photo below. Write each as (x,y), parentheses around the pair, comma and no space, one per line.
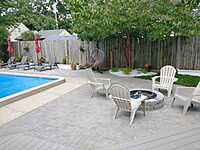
(154,100)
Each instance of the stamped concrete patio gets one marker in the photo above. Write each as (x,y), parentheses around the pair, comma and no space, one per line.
(76,121)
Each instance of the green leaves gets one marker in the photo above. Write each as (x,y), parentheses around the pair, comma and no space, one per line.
(154,19)
(28,36)
(35,14)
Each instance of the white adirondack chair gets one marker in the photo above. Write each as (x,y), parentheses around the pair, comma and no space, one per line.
(98,85)
(167,79)
(121,96)
(188,100)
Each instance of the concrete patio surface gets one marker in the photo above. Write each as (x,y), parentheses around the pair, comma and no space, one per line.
(73,120)
(21,107)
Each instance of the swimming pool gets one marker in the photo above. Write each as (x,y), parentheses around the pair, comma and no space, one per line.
(15,86)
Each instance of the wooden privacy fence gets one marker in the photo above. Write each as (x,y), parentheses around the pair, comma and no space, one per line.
(183,53)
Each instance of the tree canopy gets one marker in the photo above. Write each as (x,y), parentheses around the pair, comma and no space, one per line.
(36,14)
(154,19)
(5,19)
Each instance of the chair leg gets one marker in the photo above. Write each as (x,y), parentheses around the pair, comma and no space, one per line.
(169,92)
(107,95)
(93,93)
(173,101)
(192,105)
(186,106)
(116,113)
(143,107)
(132,116)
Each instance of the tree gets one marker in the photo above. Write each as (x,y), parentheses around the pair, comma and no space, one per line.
(27,36)
(152,19)
(5,21)
(38,15)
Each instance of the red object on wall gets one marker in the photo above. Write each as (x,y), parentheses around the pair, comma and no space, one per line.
(37,47)
(10,48)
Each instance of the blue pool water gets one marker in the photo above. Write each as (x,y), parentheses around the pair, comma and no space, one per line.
(12,84)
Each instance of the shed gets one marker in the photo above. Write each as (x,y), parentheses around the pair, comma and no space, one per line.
(58,32)
(60,47)
(16,31)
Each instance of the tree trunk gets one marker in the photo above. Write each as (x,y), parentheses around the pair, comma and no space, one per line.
(128,50)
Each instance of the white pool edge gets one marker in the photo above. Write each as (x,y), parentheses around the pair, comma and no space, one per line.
(20,95)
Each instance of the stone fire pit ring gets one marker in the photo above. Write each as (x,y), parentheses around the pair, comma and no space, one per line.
(155,99)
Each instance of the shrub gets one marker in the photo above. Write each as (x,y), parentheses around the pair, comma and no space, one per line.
(3,43)
(28,36)
(64,60)
(18,58)
(1,61)
(126,70)
(114,69)
(143,70)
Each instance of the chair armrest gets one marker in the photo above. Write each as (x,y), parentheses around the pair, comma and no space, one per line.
(95,83)
(122,99)
(179,91)
(186,88)
(154,79)
(104,79)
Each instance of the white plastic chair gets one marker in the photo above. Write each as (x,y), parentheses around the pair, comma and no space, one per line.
(98,85)
(194,97)
(121,96)
(167,79)
(10,60)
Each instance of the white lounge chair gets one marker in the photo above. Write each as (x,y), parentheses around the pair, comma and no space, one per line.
(121,96)
(167,79)
(9,62)
(187,100)
(23,63)
(19,64)
(98,85)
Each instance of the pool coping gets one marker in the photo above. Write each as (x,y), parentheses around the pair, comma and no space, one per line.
(23,94)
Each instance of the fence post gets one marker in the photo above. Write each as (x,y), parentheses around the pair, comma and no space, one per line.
(111,59)
(178,53)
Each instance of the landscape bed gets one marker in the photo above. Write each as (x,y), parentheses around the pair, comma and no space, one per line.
(184,80)
(17,86)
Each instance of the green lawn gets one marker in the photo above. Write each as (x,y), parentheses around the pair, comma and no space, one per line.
(185,80)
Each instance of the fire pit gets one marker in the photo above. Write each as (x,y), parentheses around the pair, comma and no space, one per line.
(154,101)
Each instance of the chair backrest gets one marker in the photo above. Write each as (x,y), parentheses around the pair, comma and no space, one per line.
(120,95)
(24,59)
(196,93)
(167,75)
(11,60)
(91,75)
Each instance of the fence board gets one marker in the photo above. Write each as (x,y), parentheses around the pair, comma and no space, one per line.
(183,53)
(54,50)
